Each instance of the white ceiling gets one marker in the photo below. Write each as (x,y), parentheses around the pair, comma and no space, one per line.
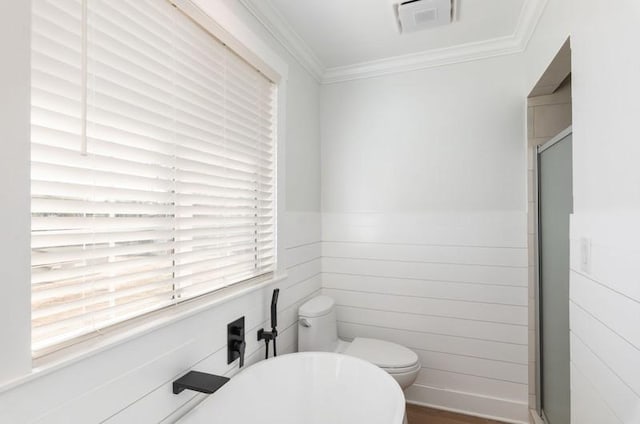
(347,32)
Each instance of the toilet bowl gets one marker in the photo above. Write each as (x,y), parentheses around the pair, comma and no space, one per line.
(318,331)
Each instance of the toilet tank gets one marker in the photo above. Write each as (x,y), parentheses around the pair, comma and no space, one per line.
(317,328)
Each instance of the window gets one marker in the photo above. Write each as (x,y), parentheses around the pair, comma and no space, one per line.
(152,165)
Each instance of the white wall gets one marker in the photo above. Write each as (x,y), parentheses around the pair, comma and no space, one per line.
(550,34)
(605,294)
(424,226)
(426,140)
(131,382)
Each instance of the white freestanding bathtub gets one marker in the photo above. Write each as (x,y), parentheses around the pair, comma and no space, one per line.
(305,388)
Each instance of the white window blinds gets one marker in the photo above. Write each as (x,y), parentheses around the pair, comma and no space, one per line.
(152,165)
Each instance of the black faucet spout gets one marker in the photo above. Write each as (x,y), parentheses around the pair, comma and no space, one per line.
(199,382)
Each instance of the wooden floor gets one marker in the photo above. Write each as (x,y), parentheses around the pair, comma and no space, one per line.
(422,415)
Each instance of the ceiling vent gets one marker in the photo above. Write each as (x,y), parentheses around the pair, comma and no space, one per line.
(415,15)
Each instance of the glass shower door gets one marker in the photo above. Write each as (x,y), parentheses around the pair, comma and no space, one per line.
(555,205)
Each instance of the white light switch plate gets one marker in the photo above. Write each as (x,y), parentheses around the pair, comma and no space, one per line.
(585,255)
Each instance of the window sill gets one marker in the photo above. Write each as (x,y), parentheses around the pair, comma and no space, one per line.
(136,328)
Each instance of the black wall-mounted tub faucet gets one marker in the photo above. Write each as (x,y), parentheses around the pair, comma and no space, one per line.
(209,383)
(199,382)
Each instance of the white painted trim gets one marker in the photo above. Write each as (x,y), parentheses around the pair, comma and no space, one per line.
(528,21)
(495,403)
(276,24)
(428,59)
(15,217)
(222,23)
(280,29)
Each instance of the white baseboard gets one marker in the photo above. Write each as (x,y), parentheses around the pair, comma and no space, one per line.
(505,410)
(535,418)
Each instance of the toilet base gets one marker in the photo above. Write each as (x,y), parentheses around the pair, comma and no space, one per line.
(407,377)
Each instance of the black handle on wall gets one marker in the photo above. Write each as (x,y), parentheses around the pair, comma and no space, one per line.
(274,308)
(235,341)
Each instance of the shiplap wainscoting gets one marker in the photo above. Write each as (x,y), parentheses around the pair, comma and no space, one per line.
(132,381)
(605,312)
(452,287)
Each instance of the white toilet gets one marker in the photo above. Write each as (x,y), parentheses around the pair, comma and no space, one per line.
(317,331)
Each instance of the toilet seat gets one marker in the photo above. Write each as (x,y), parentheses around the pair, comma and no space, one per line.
(392,357)
(406,370)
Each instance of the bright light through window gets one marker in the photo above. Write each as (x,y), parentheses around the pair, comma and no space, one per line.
(152,165)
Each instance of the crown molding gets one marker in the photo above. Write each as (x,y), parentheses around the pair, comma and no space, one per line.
(516,43)
(528,21)
(280,29)
(276,24)
(428,59)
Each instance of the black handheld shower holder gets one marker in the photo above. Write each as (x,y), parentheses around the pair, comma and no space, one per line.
(268,336)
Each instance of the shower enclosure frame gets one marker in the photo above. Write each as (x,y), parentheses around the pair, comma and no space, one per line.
(537,267)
